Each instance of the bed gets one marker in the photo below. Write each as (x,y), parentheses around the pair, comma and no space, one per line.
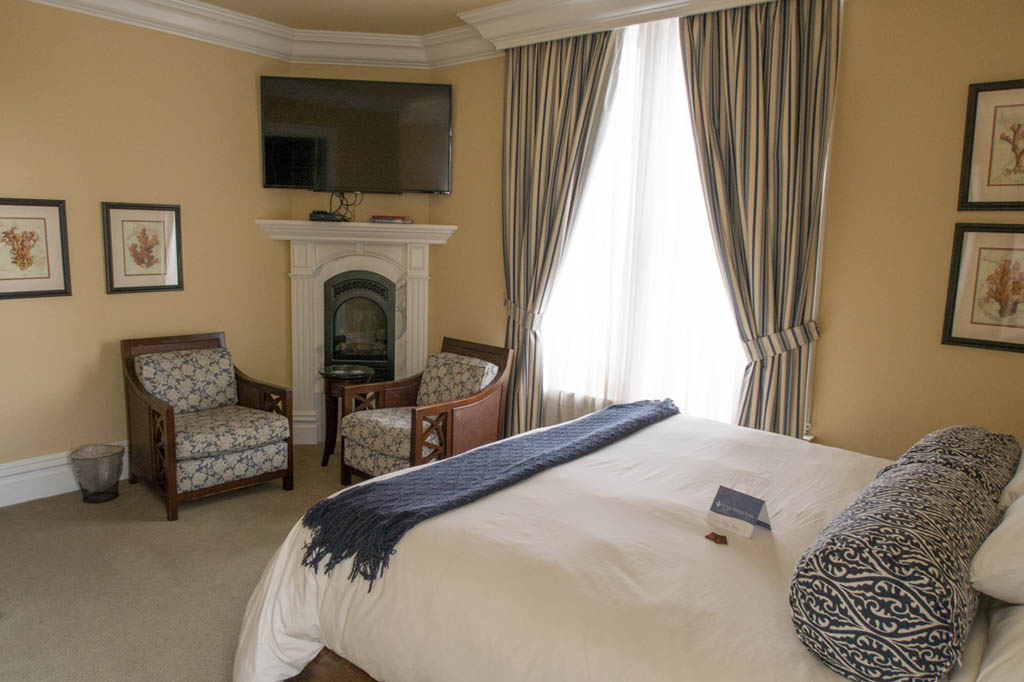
(595,570)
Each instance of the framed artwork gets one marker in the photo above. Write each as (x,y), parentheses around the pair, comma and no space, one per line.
(33,248)
(992,174)
(142,245)
(985,301)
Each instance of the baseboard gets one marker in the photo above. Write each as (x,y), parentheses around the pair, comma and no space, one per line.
(306,427)
(31,479)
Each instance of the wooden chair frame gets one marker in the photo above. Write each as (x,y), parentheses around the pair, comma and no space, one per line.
(151,446)
(459,425)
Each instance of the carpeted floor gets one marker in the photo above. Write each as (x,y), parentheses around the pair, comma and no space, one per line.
(115,592)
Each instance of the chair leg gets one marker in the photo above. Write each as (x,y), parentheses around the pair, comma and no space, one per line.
(289,481)
(172,508)
(132,478)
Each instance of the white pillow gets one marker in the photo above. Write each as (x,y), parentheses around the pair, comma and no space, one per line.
(1004,654)
(998,567)
(1015,488)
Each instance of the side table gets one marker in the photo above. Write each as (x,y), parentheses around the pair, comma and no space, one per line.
(336,378)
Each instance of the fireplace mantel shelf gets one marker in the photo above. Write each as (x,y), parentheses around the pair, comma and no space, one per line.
(370,233)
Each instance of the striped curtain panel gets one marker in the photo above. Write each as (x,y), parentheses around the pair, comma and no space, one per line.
(761,82)
(555,95)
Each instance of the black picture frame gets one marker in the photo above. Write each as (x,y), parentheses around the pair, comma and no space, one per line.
(144,254)
(42,210)
(972,157)
(993,237)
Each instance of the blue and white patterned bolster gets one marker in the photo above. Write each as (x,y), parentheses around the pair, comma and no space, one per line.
(884,592)
(990,458)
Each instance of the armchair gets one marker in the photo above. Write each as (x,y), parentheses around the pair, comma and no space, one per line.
(197,425)
(454,405)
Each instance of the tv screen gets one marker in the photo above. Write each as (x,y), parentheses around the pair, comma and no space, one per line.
(356,136)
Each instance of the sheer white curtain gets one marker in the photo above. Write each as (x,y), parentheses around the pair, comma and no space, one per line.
(639,309)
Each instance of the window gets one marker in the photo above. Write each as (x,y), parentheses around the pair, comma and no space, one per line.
(639,309)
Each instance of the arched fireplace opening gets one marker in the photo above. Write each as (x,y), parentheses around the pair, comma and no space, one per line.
(359,322)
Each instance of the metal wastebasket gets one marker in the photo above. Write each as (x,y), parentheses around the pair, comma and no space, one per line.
(97,469)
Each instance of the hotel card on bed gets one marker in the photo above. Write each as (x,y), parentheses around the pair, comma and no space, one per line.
(736,512)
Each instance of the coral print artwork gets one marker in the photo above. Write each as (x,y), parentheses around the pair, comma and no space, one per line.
(23,249)
(145,251)
(999,288)
(1007,159)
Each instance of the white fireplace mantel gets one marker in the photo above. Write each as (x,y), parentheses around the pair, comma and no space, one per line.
(320,251)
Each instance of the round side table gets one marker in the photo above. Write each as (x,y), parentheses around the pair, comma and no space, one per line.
(336,378)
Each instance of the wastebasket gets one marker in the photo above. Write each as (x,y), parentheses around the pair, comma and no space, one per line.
(97,469)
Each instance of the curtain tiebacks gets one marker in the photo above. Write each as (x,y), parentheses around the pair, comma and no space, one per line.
(522,317)
(781,342)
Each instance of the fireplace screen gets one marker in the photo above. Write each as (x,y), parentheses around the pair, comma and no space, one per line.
(361,328)
(359,322)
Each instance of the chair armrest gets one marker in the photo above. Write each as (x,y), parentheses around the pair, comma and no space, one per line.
(400,393)
(151,435)
(460,425)
(260,395)
(427,420)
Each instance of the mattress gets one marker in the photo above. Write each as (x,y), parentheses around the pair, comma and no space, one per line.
(594,570)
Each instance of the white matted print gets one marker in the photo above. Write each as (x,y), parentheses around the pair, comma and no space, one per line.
(143,247)
(33,249)
(992,174)
(985,301)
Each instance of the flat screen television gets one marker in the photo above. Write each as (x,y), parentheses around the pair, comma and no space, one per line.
(356,136)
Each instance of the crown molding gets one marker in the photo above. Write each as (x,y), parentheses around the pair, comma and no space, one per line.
(522,22)
(211,24)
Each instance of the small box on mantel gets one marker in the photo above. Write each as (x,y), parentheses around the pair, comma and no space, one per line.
(395,219)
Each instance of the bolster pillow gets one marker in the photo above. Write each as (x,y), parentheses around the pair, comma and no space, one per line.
(884,592)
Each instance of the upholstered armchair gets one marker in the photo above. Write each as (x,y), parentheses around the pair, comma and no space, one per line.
(196,424)
(454,405)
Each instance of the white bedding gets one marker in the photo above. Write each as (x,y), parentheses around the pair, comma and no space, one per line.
(594,570)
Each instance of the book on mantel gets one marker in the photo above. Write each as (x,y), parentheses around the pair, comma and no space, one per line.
(399,219)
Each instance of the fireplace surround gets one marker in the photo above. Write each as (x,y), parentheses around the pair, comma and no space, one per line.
(396,254)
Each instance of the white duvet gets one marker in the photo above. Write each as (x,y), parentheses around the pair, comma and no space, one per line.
(596,570)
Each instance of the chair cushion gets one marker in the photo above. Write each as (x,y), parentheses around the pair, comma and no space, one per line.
(226,429)
(449,376)
(189,380)
(204,472)
(370,461)
(386,431)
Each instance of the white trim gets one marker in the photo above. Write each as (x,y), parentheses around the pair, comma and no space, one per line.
(521,22)
(30,479)
(218,26)
(373,233)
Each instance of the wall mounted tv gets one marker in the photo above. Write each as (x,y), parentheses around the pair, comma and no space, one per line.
(356,136)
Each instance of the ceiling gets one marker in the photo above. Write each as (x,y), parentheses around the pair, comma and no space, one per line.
(413,17)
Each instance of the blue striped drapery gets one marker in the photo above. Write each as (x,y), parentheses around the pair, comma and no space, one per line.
(554,98)
(761,82)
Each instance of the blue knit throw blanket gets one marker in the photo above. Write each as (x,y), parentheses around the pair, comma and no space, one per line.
(365,523)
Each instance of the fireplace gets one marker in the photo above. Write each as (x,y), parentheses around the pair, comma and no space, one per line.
(359,322)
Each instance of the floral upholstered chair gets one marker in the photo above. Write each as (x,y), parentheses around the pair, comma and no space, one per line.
(196,424)
(456,404)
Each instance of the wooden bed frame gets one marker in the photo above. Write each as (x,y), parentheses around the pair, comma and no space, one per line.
(330,667)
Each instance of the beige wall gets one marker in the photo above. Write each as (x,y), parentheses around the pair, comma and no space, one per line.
(467,285)
(100,111)
(883,379)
